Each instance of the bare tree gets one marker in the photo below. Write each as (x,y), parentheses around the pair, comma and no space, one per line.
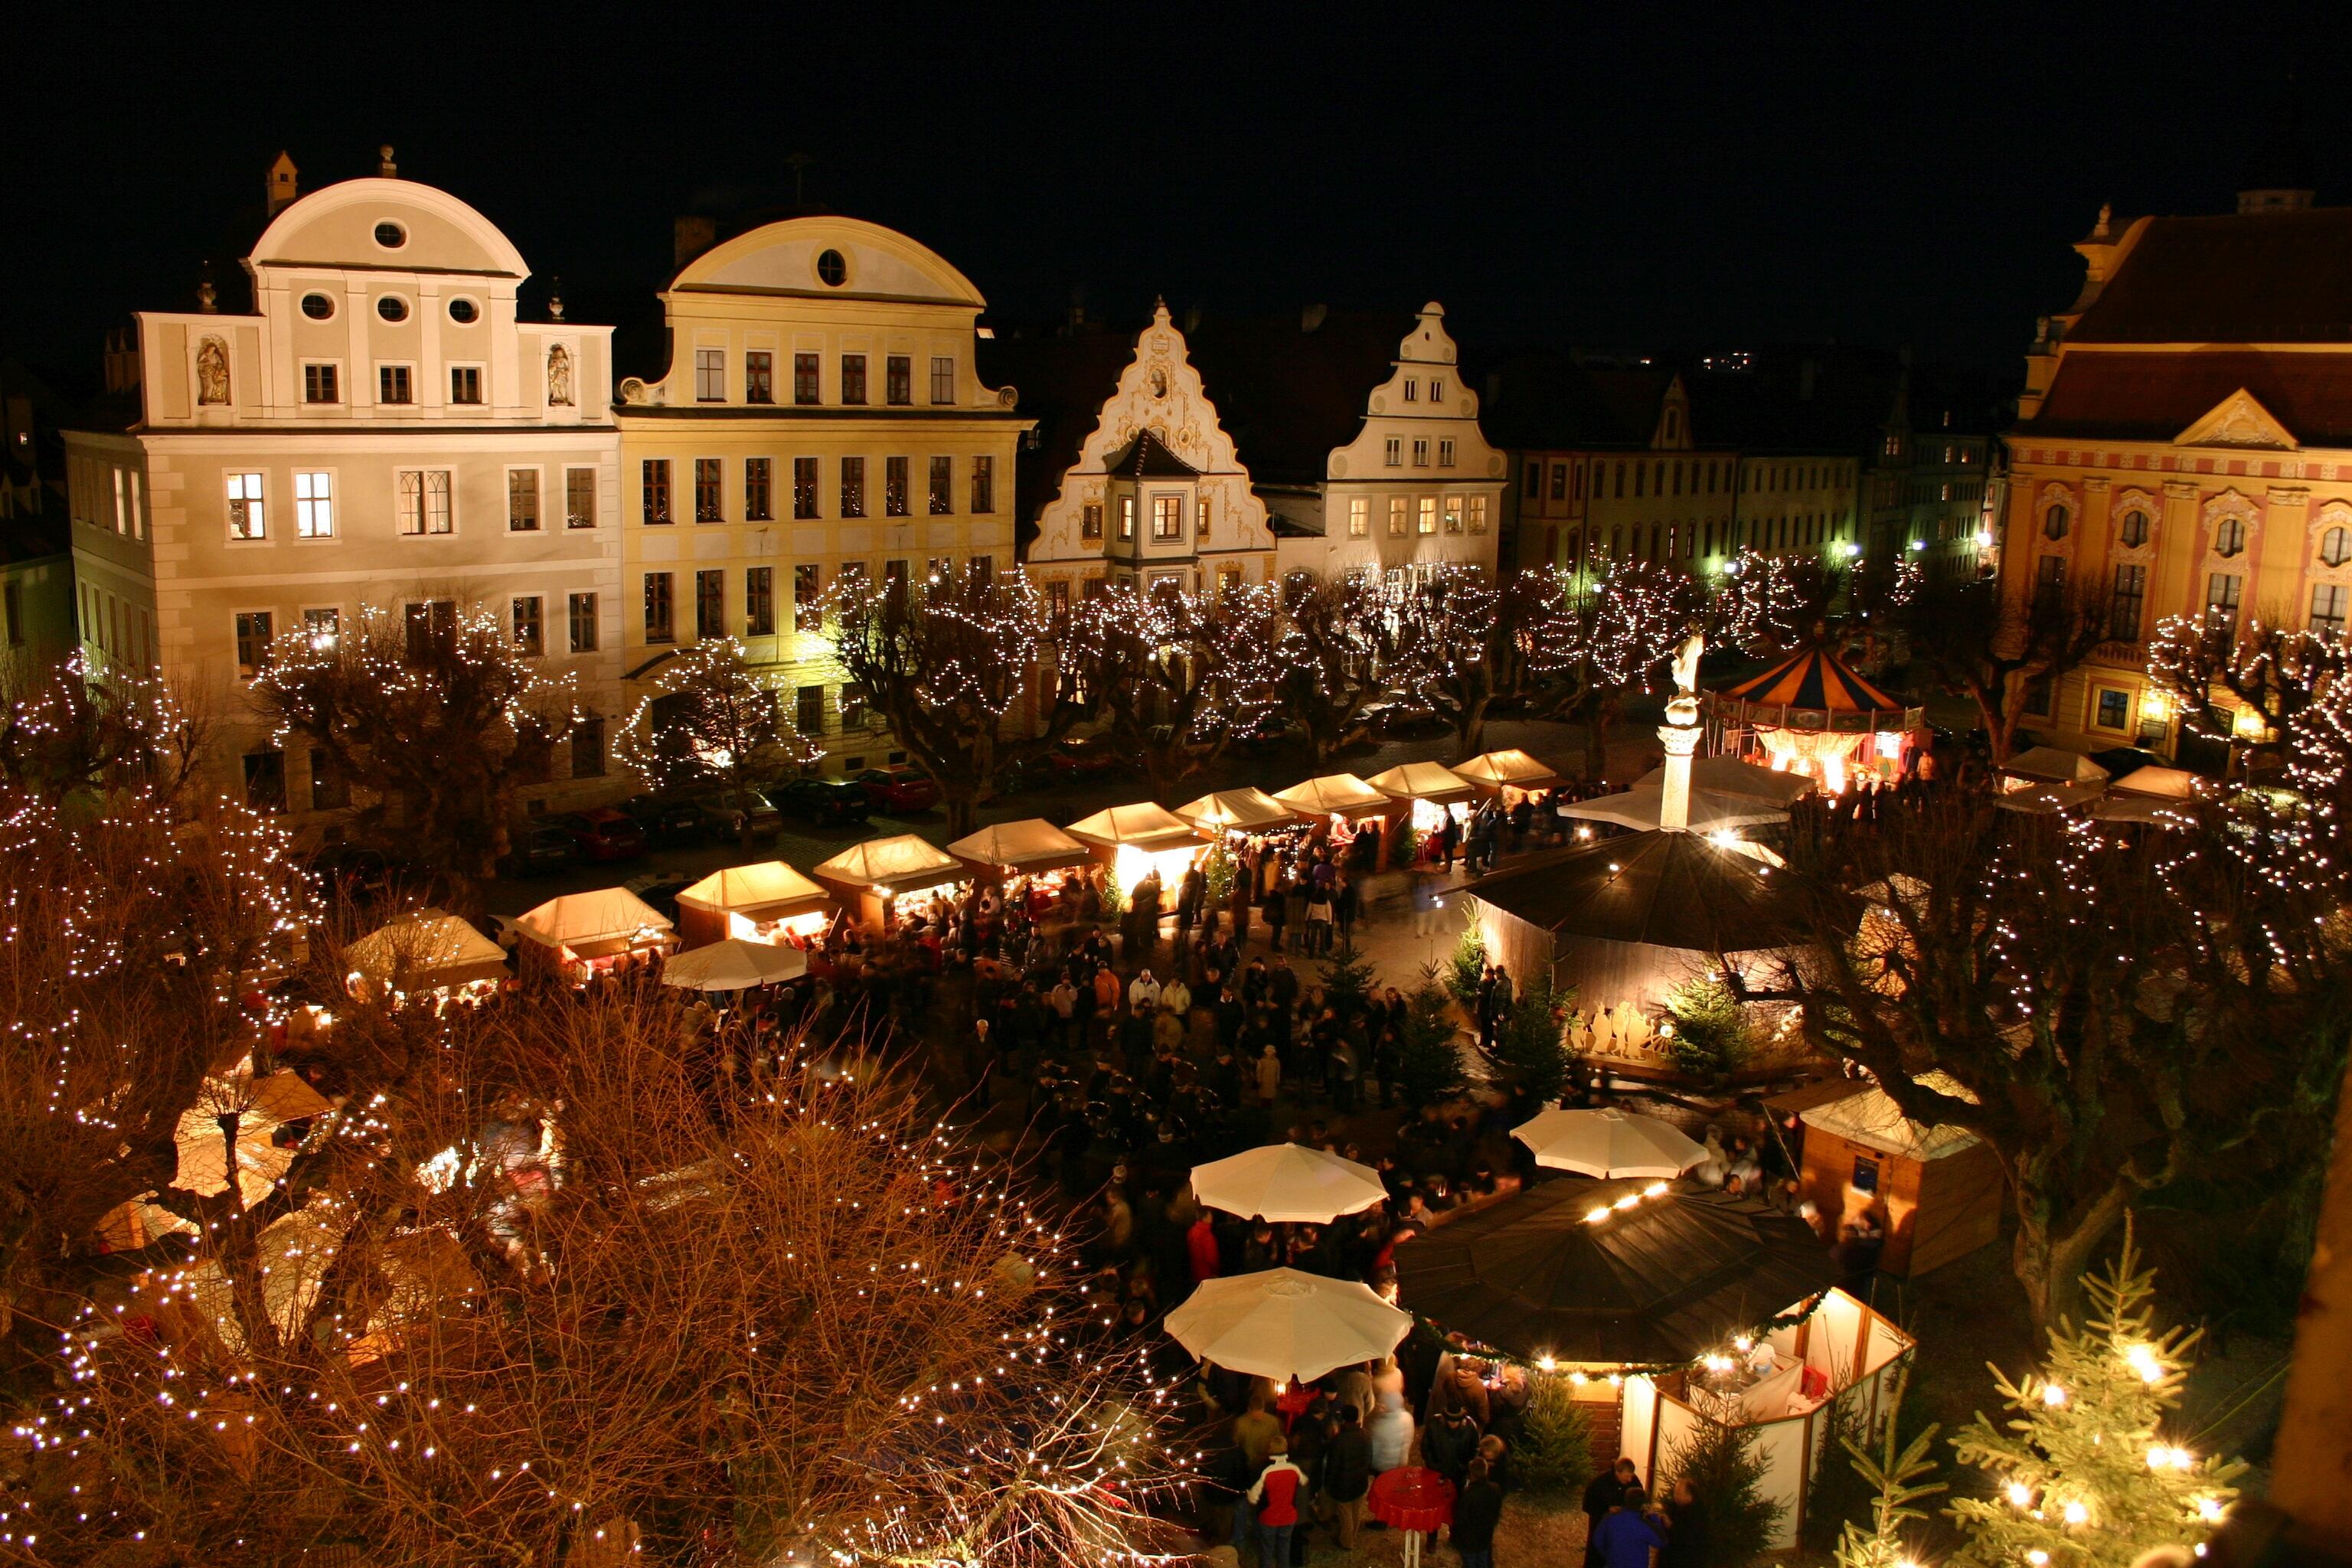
(2113,1016)
(436,716)
(566,1299)
(1999,650)
(1593,641)
(68,727)
(1329,654)
(2263,669)
(963,669)
(1179,674)
(712,720)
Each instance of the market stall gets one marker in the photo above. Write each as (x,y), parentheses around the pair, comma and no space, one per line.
(1340,798)
(1427,793)
(595,934)
(1140,839)
(1510,773)
(2039,766)
(1934,1191)
(768,902)
(1812,714)
(874,876)
(429,951)
(1032,846)
(1240,812)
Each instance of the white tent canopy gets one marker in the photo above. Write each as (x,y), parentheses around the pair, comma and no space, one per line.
(2042,799)
(1031,843)
(428,948)
(1873,1120)
(753,890)
(1144,825)
(1432,782)
(901,863)
(1333,795)
(733,964)
(2055,765)
(581,921)
(1241,810)
(1608,1143)
(1731,776)
(1288,1182)
(261,1106)
(1711,811)
(1281,1324)
(1511,766)
(2167,783)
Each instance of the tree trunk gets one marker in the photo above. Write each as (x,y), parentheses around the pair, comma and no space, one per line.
(963,810)
(1596,744)
(2049,1260)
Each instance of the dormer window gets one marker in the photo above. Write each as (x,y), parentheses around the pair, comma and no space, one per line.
(832,268)
(1411,390)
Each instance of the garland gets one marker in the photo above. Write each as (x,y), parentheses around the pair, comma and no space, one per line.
(1461,1343)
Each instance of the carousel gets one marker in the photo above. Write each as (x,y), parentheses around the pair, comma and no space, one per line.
(1811,714)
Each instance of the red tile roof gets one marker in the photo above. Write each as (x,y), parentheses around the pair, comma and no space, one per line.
(2255,277)
(2155,396)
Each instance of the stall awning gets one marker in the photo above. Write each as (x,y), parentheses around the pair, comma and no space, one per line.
(899,864)
(1249,810)
(1873,1120)
(2166,784)
(1145,826)
(2055,765)
(1493,770)
(431,947)
(582,921)
(1729,775)
(1334,794)
(770,890)
(1432,782)
(1031,843)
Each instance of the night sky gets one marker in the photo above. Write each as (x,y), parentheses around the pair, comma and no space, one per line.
(1630,177)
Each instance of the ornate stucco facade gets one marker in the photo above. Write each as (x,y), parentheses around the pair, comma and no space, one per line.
(382,428)
(821,414)
(2184,445)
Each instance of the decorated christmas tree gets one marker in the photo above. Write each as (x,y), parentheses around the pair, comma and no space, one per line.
(1468,965)
(1554,1458)
(2084,1474)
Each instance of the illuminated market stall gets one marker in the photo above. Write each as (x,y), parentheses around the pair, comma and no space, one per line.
(595,934)
(1032,846)
(1811,714)
(1425,792)
(768,902)
(426,952)
(1138,839)
(875,876)
(1936,1192)
(1240,812)
(1510,773)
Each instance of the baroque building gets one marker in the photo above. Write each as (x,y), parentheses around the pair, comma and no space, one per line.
(1130,479)
(821,416)
(2184,446)
(378,426)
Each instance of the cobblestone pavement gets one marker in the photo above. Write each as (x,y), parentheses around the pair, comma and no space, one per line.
(1632,750)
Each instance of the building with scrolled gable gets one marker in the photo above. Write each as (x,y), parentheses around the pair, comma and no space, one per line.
(1131,477)
(2185,444)
(821,416)
(371,421)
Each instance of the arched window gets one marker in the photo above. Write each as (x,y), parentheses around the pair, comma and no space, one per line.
(2054,522)
(2134,531)
(2229,537)
(2336,546)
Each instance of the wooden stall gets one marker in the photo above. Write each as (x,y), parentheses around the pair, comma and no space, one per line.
(764,903)
(1936,1190)
(870,876)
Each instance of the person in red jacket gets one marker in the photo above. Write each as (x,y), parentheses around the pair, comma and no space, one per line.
(1201,1242)
(1277,1494)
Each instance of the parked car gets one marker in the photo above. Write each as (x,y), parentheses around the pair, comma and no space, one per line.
(665,821)
(1392,718)
(541,850)
(604,833)
(899,789)
(1262,731)
(722,817)
(827,802)
(1086,759)
(660,889)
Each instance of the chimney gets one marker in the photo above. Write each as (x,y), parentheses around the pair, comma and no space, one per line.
(283,190)
(690,237)
(1311,317)
(384,167)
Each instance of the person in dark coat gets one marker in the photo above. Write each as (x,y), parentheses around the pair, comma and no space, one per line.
(1477,1509)
(1603,1493)
(1348,1473)
(1686,1529)
(1449,1441)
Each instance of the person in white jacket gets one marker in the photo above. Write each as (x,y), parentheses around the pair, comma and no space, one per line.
(1390,1431)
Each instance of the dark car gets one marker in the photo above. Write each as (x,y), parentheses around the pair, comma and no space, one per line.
(1086,759)
(899,789)
(665,821)
(604,834)
(541,850)
(660,889)
(827,802)
(1393,719)
(722,817)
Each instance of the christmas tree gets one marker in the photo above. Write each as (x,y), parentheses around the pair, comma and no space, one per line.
(1726,1472)
(1554,1457)
(1468,965)
(1429,1065)
(1528,1049)
(1347,981)
(1893,1478)
(1712,1038)
(2084,1474)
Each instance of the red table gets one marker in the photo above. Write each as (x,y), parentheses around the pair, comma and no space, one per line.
(1292,1401)
(1414,1498)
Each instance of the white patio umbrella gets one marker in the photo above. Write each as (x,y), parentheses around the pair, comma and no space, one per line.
(1608,1143)
(1288,1182)
(259,1107)
(734,964)
(1281,1324)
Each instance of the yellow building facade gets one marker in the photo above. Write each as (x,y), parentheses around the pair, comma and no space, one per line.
(821,415)
(2185,444)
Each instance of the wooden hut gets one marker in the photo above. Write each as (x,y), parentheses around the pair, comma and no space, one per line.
(1936,1190)
(873,872)
(1031,847)
(755,903)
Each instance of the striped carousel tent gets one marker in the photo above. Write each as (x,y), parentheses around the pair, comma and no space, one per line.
(1811,714)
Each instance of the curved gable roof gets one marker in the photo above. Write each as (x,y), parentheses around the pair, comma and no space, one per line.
(2236,278)
(335,227)
(780,258)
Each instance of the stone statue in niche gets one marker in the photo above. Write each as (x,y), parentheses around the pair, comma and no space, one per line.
(559,377)
(212,371)
(1159,383)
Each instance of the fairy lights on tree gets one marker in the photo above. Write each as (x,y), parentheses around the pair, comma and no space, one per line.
(1178,673)
(436,718)
(1593,641)
(1328,655)
(2085,1474)
(2246,683)
(710,720)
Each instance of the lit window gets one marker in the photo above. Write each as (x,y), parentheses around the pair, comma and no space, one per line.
(2113,711)
(710,375)
(1359,516)
(1453,514)
(314,505)
(1166,517)
(247,518)
(1429,514)
(1477,514)
(1396,517)
(254,631)
(656,472)
(1127,517)
(1090,520)
(522,500)
(424,501)
(322,628)
(529,638)
(579,497)
(2327,600)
